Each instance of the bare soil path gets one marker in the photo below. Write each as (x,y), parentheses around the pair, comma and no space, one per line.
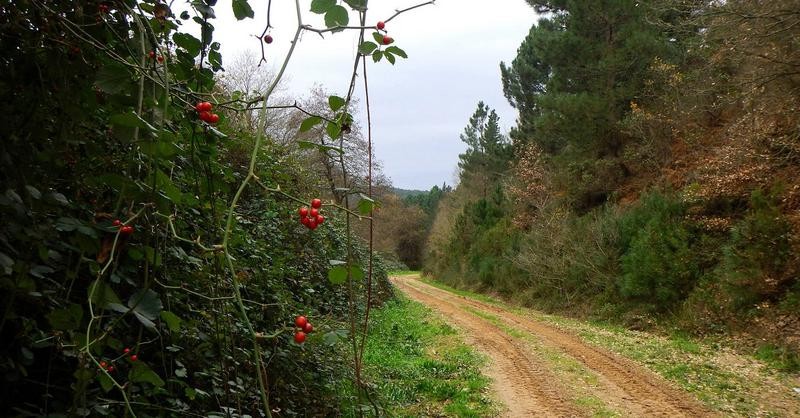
(526,383)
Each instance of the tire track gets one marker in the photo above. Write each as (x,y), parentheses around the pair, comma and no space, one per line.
(521,382)
(623,384)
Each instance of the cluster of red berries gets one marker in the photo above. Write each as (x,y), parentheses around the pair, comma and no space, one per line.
(152,54)
(127,351)
(110,367)
(204,112)
(123,229)
(311,218)
(305,328)
(386,38)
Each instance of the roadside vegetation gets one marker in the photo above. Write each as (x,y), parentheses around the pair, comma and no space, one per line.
(421,366)
(651,179)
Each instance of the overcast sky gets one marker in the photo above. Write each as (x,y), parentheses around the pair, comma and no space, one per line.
(420,105)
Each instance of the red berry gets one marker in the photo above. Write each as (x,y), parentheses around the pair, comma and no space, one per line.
(205,116)
(303,211)
(203,107)
(313,212)
(312,223)
(308,328)
(320,219)
(161,59)
(305,220)
(300,321)
(134,357)
(299,337)
(268,39)
(103,8)
(316,203)
(103,364)
(387,40)
(110,368)
(380,25)
(126,230)
(214,118)
(116,222)
(126,350)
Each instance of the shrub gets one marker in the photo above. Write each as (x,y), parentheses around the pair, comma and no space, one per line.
(753,267)
(658,266)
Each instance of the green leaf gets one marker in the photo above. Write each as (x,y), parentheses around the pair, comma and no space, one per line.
(101,294)
(40,271)
(389,57)
(333,130)
(217,132)
(188,42)
(356,273)
(309,123)
(322,6)
(333,337)
(337,274)
(172,320)
(336,102)
(359,5)
(215,58)
(146,305)
(135,254)
(131,120)
(366,205)
(165,186)
(367,47)
(141,373)
(66,319)
(378,37)
(323,148)
(337,16)
(242,9)
(396,51)
(113,78)
(65,224)
(153,257)
(7,263)
(377,56)
(105,382)
(33,192)
(159,149)
(58,198)
(204,9)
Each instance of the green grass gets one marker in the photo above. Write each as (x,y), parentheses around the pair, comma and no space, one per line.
(420,366)
(402,272)
(725,380)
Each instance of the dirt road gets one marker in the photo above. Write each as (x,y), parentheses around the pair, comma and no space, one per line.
(525,381)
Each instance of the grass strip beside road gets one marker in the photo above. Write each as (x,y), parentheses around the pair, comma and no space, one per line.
(421,366)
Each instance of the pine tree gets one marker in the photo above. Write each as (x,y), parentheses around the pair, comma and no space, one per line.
(573,80)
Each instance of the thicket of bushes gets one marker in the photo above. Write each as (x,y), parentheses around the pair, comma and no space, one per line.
(656,189)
